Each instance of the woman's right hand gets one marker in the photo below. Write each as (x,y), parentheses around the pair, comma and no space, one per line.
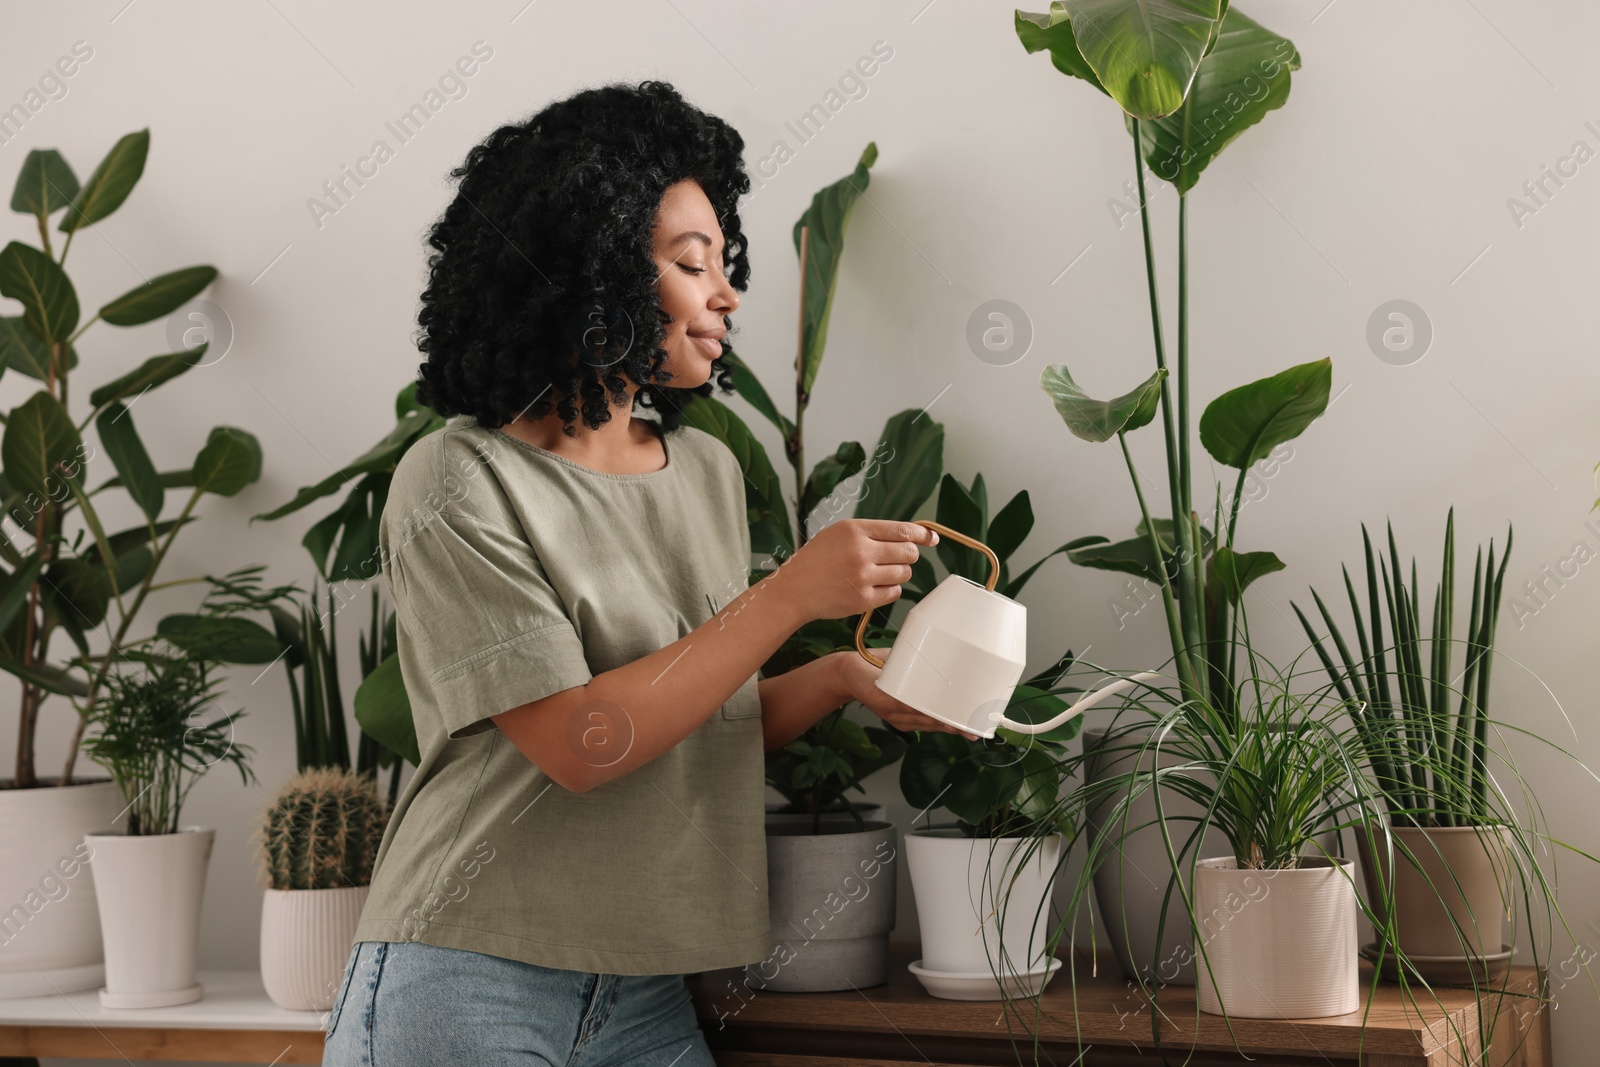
(853,565)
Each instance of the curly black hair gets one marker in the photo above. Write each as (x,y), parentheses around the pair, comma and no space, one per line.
(541,290)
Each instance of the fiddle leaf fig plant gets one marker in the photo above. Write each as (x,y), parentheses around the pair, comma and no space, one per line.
(65,572)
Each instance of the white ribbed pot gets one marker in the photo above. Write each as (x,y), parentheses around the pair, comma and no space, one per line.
(1277,944)
(149,890)
(49,924)
(959,883)
(306,936)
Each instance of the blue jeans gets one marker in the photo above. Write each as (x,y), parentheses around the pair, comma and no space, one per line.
(411,1004)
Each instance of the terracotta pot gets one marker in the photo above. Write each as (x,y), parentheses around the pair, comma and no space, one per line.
(49,922)
(306,937)
(1277,944)
(1450,887)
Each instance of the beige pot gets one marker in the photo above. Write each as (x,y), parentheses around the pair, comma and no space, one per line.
(306,937)
(1277,944)
(49,921)
(1451,885)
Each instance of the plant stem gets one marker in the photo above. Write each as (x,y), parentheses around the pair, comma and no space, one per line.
(1185,668)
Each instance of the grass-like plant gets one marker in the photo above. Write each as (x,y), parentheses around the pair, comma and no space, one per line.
(1427,738)
(153,734)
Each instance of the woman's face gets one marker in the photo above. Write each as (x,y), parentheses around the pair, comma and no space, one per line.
(688,244)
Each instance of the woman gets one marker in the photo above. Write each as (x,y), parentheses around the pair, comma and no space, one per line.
(576,630)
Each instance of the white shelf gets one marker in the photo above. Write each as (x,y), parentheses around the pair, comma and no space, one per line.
(233,1000)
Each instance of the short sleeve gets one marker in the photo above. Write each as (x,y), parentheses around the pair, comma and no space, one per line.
(487,631)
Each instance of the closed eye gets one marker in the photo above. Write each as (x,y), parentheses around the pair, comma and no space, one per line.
(691,270)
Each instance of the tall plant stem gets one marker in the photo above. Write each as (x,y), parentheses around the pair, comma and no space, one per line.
(1187,644)
(1186,680)
(796,443)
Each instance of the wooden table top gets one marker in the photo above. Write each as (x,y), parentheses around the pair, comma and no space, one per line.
(1109,1011)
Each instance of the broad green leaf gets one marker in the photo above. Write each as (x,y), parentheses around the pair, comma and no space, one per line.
(1242,426)
(357,557)
(1030,705)
(224,638)
(1100,420)
(124,541)
(128,455)
(49,303)
(754,393)
(14,588)
(1143,52)
(169,480)
(45,184)
(110,183)
(21,349)
(1013,588)
(763,493)
(928,760)
(977,790)
(958,510)
(383,710)
(826,218)
(149,374)
(848,459)
(50,679)
(415,422)
(1245,76)
(39,435)
(1166,534)
(230,460)
(157,297)
(1234,571)
(1129,557)
(1053,30)
(904,469)
(78,591)
(1011,526)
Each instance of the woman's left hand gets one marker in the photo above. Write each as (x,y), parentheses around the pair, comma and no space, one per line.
(860,678)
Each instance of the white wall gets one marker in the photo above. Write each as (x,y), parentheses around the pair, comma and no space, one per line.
(1386,176)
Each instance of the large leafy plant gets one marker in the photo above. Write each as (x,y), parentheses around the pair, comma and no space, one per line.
(65,571)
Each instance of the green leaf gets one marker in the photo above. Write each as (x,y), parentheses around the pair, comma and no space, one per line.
(45,184)
(110,183)
(1100,420)
(1144,53)
(1234,571)
(1011,526)
(230,460)
(78,591)
(1243,426)
(904,469)
(39,435)
(223,638)
(748,386)
(1031,705)
(1127,557)
(849,458)
(763,493)
(414,424)
(149,374)
(127,454)
(923,768)
(49,303)
(50,679)
(15,586)
(383,710)
(157,297)
(958,510)
(1245,76)
(826,218)
(23,350)
(1053,31)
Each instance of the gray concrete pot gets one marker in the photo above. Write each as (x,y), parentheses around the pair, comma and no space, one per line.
(836,813)
(831,900)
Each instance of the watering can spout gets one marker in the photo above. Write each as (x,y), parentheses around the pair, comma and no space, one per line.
(1121,685)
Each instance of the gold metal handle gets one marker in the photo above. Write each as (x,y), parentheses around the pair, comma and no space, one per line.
(943,531)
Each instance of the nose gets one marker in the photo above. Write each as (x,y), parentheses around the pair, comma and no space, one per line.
(725,298)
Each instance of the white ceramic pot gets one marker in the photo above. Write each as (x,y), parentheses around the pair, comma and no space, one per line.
(149,890)
(306,937)
(1278,944)
(49,925)
(982,905)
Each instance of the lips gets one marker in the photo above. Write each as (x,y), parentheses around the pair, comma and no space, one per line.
(711,346)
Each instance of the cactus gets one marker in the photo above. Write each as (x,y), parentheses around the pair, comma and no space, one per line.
(322,831)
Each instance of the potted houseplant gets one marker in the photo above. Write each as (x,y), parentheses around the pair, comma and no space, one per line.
(66,573)
(1188,80)
(1439,868)
(152,734)
(318,837)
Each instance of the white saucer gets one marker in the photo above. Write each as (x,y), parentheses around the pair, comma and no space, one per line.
(983,985)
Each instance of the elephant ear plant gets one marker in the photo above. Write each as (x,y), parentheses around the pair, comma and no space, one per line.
(52,578)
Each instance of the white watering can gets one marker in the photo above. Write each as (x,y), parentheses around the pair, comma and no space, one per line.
(961,651)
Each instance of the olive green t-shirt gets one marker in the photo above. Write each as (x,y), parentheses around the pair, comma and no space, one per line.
(517,573)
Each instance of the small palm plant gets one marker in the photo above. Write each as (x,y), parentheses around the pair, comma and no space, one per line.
(154,737)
